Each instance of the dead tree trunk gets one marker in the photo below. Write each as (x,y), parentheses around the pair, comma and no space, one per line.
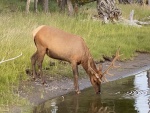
(61,5)
(107,10)
(70,8)
(148,2)
(35,5)
(44,2)
(126,1)
(27,6)
(45,6)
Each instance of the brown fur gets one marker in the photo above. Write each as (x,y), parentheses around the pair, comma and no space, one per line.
(64,46)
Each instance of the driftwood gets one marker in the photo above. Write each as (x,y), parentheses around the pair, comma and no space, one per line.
(107,10)
(142,23)
(3,60)
(133,22)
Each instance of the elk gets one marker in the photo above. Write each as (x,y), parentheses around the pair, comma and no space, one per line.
(64,46)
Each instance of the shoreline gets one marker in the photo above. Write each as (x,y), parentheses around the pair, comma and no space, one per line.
(38,93)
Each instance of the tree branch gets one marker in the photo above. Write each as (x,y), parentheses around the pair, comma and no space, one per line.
(2,61)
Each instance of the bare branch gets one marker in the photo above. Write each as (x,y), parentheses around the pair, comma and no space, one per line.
(2,61)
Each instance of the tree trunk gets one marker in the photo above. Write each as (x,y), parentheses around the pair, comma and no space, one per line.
(45,6)
(126,1)
(149,2)
(120,1)
(35,5)
(142,2)
(27,6)
(70,8)
(61,4)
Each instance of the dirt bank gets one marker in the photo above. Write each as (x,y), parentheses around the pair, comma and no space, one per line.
(36,93)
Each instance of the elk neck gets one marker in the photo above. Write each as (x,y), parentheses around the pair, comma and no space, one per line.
(92,64)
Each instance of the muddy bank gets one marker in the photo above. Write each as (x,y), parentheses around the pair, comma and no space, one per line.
(36,93)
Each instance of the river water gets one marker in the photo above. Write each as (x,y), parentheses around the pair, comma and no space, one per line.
(127,95)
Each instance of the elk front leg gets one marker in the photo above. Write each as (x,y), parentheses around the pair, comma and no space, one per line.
(75,73)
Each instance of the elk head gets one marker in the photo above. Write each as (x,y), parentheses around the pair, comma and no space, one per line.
(97,76)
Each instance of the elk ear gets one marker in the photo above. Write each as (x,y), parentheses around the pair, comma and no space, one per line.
(100,67)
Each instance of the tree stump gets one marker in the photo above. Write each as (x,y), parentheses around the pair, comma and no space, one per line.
(107,10)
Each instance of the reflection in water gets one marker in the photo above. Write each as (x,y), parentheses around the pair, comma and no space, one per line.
(76,104)
(90,105)
(142,100)
(54,107)
(148,76)
(128,95)
(47,107)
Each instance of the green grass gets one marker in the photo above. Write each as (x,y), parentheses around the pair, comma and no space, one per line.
(140,12)
(16,37)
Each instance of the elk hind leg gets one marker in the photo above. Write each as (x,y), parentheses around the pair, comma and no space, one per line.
(39,63)
(34,59)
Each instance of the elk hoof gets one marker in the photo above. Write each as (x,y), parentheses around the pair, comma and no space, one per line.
(44,82)
(33,78)
(99,92)
(78,92)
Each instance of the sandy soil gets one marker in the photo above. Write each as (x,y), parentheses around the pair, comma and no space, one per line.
(36,93)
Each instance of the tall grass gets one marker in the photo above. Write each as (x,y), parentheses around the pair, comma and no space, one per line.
(140,11)
(16,38)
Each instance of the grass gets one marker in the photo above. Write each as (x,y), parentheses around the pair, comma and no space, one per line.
(15,37)
(140,11)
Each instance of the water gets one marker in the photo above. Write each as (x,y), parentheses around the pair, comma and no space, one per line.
(128,95)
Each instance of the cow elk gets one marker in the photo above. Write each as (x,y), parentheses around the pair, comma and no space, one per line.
(64,46)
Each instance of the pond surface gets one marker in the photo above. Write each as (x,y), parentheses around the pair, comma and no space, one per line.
(127,95)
